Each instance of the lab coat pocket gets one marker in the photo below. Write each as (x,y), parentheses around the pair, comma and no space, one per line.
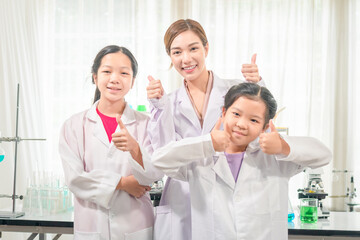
(145,234)
(265,196)
(162,226)
(86,236)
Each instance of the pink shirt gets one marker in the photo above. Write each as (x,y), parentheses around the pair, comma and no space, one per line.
(206,98)
(109,123)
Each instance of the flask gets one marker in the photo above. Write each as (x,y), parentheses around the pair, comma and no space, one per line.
(291,214)
(2,152)
(141,108)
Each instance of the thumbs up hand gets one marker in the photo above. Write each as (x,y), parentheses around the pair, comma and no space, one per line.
(154,89)
(272,143)
(123,139)
(220,138)
(250,71)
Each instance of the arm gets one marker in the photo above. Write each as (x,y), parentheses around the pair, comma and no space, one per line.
(96,186)
(161,127)
(174,158)
(306,152)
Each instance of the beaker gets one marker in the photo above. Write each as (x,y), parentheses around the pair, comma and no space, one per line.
(308,210)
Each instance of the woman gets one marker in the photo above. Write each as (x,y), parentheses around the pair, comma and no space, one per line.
(190,111)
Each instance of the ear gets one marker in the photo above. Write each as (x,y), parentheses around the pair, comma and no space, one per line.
(133,81)
(95,78)
(206,49)
(266,127)
(223,112)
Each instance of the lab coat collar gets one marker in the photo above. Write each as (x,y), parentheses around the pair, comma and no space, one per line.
(222,169)
(214,108)
(216,102)
(186,108)
(127,117)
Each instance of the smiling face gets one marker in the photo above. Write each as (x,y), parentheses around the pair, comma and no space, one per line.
(188,55)
(114,77)
(244,121)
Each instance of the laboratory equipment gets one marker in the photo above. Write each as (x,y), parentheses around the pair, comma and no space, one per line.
(16,139)
(141,108)
(315,190)
(291,214)
(2,152)
(308,210)
(351,194)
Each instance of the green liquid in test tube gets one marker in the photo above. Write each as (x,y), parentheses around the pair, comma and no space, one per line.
(141,108)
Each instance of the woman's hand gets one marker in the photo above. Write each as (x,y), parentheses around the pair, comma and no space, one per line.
(251,71)
(154,89)
(130,185)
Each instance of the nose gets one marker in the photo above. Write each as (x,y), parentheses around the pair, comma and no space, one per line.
(115,78)
(186,57)
(241,123)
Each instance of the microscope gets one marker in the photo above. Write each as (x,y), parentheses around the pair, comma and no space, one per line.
(315,189)
(351,194)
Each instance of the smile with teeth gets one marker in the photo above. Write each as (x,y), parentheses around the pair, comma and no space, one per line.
(189,68)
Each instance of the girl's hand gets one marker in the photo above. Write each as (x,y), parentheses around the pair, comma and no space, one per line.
(154,89)
(130,185)
(250,71)
(125,142)
(123,139)
(272,143)
(220,139)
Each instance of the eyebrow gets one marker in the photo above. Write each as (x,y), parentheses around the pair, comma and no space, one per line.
(122,67)
(253,116)
(191,44)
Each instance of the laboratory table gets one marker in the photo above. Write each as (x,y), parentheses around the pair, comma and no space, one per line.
(35,225)
(340,225)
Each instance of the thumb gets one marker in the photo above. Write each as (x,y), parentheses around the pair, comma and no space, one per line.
(253,59)
(150,78)
(118,120)
(218,124)
(272,126)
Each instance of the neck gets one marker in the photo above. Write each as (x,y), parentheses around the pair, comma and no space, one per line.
(111,108)
(235,149)
(200,84)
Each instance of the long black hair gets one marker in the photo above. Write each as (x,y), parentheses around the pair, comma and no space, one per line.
(107,50)
(254,92)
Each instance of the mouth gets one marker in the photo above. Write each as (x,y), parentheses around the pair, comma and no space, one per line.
(114,89)
(240,133)
(189,68)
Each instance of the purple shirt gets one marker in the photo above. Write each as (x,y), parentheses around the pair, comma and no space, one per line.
(235,161)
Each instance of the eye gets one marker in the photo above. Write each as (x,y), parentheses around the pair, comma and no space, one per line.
(254,120)
(176,53)
(236,114)
(125,73)
(106,72)
(193,48)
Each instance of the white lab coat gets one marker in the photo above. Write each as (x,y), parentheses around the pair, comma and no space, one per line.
(173,118)
(93,168)
(254,207)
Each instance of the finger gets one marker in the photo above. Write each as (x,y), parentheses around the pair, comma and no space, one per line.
(218,124)
(253,59)
(118,120)
(150,78)
(272,126)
